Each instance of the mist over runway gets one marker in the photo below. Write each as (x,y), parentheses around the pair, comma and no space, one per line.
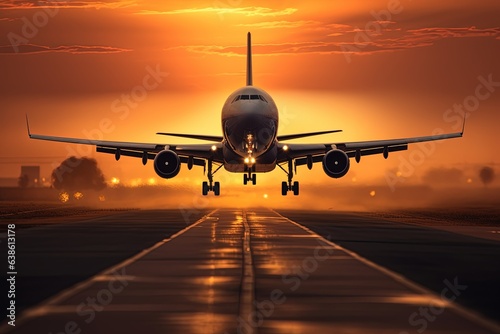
(256,271)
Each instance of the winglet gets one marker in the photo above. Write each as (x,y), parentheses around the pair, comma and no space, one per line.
(249,60)
(28,126)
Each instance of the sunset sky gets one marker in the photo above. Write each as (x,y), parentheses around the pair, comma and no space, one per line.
(376,69)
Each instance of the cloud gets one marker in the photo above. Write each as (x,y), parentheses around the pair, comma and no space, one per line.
(16,4)
(455,32)
(344,41)
(369,43)
(72,49)
(246,11)
(278,24)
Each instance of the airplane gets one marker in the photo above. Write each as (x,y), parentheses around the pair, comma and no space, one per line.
(249,144)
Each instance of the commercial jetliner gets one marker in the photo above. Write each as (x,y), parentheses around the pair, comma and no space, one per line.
(249,144)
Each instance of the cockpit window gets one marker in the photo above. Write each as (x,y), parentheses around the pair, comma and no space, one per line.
(249,97)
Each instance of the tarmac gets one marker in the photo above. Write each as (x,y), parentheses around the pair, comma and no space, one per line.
(254,271)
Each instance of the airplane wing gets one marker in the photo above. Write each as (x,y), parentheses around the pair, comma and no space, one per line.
(147,151)
(306,153)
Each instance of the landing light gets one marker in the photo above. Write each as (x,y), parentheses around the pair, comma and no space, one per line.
(285,148)
(249,160)
(214,148)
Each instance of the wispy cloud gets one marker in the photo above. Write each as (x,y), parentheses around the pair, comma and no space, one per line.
(16,4)
(344,42)
(72,49)
(456,32)
(277,24)
(246,11)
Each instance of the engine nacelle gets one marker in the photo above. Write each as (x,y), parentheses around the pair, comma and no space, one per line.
(167,164)
(336,163)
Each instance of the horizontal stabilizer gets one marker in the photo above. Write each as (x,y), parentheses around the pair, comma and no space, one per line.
(308,134)
(184,135)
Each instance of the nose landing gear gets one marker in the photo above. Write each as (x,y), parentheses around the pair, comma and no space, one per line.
(250,175)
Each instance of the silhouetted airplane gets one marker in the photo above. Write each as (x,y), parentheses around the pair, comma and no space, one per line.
(249,144)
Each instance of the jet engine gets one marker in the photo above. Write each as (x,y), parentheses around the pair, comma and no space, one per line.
(167,164)
(336,163)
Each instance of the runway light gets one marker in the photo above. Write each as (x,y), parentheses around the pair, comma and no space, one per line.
(469,180)
(372,193)
(115,181)
(78,195)
(266,196)
(102,198)
(152,181)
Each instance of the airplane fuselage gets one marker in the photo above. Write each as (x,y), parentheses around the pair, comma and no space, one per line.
(249,126)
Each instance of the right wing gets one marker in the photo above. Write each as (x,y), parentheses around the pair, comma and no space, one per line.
(302,153)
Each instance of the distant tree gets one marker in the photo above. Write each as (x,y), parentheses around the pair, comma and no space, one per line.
(23,181)
(487,175)
(76,174)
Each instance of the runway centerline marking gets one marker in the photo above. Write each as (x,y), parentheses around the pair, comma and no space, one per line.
(247,293)
(463,311)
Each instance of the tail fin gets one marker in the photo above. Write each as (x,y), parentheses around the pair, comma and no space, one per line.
(249,60)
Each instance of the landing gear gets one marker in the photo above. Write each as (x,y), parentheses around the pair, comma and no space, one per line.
(206,187)
(250,177)
(289,186)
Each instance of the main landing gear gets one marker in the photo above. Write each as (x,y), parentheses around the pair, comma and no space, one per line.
(211,185)
(289,186)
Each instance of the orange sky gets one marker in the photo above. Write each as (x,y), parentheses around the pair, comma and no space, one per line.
(377,69)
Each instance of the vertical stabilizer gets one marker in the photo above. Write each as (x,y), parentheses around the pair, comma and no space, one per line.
(249,60)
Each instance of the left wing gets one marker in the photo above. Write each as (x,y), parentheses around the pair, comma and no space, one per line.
(197,153)
(302,153)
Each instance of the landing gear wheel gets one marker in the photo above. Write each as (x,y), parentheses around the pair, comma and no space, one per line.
(217,188)
(284,188)
(245,179)
(254,179)
(295,188)
(205,188)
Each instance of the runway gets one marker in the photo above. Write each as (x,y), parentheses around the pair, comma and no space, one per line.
(254,271)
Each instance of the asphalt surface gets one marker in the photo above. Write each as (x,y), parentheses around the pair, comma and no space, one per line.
(253,271)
